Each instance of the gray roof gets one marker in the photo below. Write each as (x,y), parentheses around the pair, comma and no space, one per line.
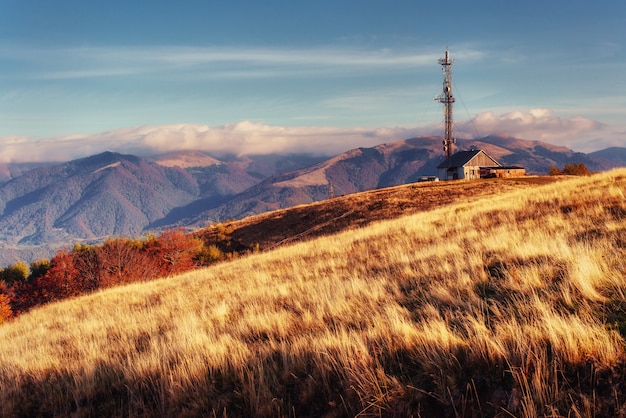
(459,159)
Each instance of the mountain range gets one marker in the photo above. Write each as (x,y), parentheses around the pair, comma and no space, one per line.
(44,207)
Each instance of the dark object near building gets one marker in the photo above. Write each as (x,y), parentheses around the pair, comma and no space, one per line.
(427,178)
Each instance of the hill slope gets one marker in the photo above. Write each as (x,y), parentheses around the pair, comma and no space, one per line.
(508,305)
(275,228)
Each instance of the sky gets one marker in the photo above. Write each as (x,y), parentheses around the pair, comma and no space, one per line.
(78,77)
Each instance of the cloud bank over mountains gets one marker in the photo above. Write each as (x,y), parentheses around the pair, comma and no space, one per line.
(249,138)
(541,125)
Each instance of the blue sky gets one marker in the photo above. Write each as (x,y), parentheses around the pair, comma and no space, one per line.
(79,77)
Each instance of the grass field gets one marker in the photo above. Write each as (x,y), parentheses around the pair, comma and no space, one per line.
(513,304)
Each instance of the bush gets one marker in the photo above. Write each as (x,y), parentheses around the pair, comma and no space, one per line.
(554,171)
(87,268)
(209,255)
(17,272)
(38,269)
(578,169)
(173,252)
(5,308)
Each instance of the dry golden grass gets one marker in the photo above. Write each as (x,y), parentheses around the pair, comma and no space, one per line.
(506,306)
(285,226)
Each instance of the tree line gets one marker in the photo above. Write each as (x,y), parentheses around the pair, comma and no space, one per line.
(574,169)
(87,268)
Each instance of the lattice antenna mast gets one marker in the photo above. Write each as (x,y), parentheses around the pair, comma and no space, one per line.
(447,99)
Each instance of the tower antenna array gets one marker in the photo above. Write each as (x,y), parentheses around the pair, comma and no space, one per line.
(447,99)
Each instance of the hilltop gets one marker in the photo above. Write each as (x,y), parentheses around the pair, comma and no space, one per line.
(303,222)
(509,304)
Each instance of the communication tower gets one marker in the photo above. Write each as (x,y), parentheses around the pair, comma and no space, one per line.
(447,99)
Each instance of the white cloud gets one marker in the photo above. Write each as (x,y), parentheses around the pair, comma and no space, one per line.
(578,133)
(240,138)
(247,137)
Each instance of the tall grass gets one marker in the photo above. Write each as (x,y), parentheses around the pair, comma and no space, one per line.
(509,306)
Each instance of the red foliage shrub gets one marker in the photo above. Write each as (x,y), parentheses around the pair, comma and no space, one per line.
(117,261)
(87,263)
(173,251)
(61,281)
(122,261)
(5,308)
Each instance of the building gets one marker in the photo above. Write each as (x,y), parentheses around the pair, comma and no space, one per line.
(475,164)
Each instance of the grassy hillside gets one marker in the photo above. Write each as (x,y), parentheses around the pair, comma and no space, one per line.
(272,229)
(513,305)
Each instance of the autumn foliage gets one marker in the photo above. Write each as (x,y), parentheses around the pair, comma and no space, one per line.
(5,304)
(87,268)
(579,169)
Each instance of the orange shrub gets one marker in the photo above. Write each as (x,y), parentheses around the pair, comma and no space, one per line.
(5,308)
(174,251)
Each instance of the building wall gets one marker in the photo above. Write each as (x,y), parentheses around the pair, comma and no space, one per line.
(451,174)
(490,172)
(482,160)
(511,172)
(471,172)
(460,173)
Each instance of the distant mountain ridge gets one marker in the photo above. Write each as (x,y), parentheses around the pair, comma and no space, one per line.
(112,194)
(10,171)
(107,194)
(614,154)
